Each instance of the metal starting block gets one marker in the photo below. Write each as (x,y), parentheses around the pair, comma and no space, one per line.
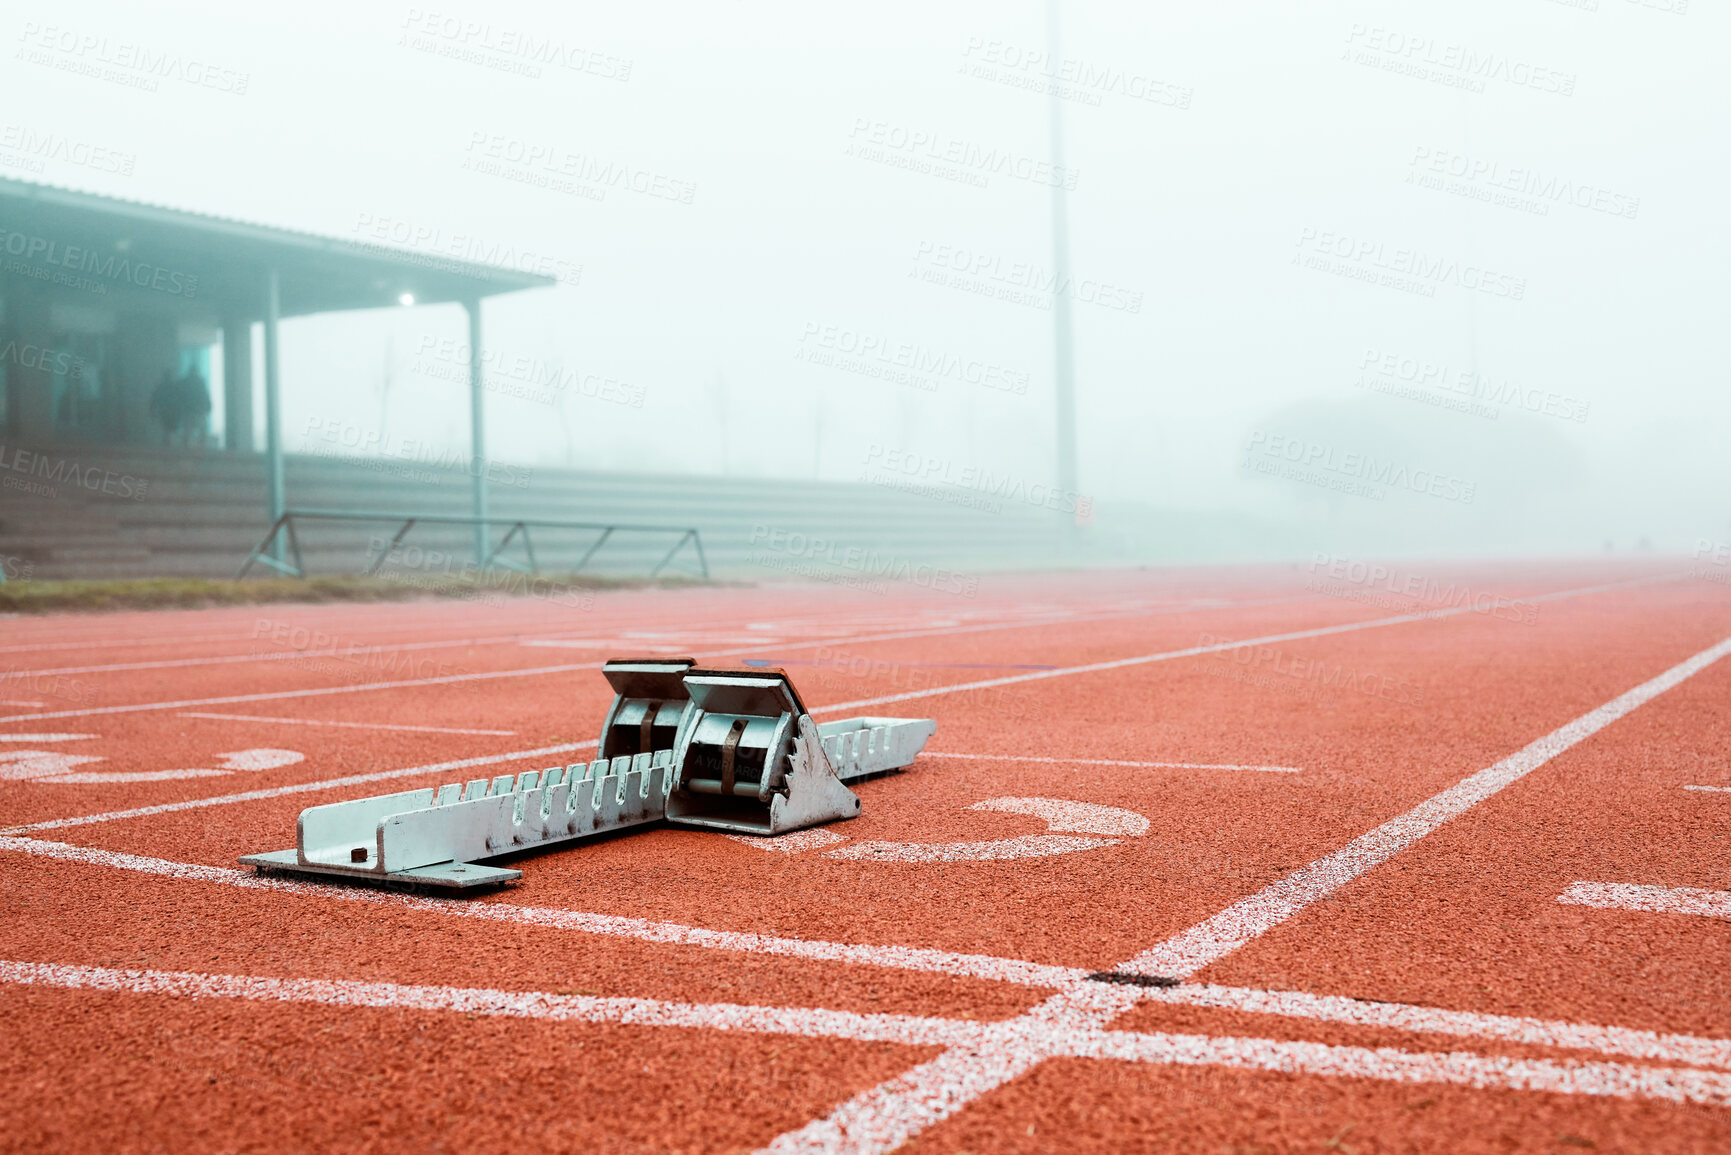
(752,761)
(725,749)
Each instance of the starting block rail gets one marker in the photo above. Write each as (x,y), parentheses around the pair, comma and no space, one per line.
(719,749)
(433,838)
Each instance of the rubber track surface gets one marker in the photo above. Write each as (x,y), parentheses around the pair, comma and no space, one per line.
(1484,985)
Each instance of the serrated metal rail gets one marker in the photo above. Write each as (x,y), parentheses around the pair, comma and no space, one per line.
(434,837)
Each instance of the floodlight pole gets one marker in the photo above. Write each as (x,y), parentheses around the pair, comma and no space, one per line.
(1063,343)
(477,432)
(274,489)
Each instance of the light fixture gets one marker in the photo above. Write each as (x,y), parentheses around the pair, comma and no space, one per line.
(405,298)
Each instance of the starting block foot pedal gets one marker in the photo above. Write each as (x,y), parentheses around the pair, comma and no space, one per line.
(650,705)
(752,761)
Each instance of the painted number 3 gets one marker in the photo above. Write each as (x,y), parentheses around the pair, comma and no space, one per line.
(1071,826)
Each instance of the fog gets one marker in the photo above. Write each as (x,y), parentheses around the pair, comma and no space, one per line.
(1408,277)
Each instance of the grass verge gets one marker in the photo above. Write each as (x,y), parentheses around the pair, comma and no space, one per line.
(42,597)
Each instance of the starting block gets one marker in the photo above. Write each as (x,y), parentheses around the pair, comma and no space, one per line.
(752,761)
(722,749)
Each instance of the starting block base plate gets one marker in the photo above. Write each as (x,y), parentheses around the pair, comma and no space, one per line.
(443,875)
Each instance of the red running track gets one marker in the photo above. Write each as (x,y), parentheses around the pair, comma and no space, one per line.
(1428,871)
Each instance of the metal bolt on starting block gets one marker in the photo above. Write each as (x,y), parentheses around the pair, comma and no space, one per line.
(724,749)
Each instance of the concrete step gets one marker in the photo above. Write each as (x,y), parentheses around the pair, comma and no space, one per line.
(202,512)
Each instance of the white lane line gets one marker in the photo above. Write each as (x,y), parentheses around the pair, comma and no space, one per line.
(1481,1072)
(1109,762)
(421,626)
(119,643)
(334,783)
(540,670)
(1017,1047)
(1192,651)
(357,650)
(893,957)
(90,777)
(1619,1041)
(346,725)
(302,787)
(884,1117)
(1711,789)
(314,692)
(45,737)
(346,689)
(1649,899)
(277,655)
(888,1115)
(1638,1044)
(319,691)
(905,1029)
(1186,953)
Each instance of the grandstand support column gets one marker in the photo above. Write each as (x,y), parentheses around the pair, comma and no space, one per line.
(477,431)
(274,493)
(237,384)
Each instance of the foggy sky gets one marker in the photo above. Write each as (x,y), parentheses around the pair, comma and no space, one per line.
(1374,230)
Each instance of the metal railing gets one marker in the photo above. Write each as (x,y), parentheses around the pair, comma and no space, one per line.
(284,527)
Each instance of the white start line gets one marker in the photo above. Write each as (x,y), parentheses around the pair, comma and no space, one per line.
(1047,1039)
(1607,1040)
